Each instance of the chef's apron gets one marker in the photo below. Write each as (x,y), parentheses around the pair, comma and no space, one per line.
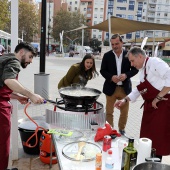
(155,122)
(5,126)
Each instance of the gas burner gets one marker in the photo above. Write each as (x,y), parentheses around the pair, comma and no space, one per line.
(79,108)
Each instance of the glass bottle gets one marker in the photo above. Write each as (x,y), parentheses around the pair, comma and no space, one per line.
(129,156)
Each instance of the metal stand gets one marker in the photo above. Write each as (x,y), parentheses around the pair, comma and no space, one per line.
(41,85)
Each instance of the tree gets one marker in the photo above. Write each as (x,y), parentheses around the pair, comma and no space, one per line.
(28,20)
(106,42)
(95,44)
(65,20)
(4,14)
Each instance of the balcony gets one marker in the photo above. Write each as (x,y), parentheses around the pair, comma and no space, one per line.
(152,9)
(154,2)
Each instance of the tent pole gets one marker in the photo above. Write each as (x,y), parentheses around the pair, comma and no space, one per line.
(82,41)
(109,23)
(153,44)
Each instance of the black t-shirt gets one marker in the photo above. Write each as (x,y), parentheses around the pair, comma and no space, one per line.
(9,68)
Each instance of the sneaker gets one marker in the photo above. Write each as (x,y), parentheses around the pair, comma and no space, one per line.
(122,132)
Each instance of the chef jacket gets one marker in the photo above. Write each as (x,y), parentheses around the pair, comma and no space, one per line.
(158,75)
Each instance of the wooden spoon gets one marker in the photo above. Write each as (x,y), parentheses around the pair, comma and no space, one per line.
(80,147)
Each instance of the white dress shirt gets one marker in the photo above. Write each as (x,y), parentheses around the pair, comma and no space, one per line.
(158,75)
(119,64)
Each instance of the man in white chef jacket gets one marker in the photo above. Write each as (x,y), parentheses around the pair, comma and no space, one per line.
(154,87)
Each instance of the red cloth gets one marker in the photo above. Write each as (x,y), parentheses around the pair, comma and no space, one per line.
(107,130)
(5,126)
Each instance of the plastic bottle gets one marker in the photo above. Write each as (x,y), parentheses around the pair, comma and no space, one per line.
(98,164)
(129,156)
(109,164)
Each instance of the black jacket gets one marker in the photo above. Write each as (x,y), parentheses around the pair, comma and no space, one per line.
(109,68)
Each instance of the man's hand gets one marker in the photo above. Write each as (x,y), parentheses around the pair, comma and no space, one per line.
(115,79)
(23,99)
(120,103)
(122,77)
(36,99)
(156,100)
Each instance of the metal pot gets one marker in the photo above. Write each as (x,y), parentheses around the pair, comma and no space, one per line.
(87,95)
(151,166)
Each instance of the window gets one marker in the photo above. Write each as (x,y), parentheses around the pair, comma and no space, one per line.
(94,36)
(95,22)
(129,36)
(83,3)
(101,9)
(75,8)
(121,15)
(165,14)
(88,9)
(101,16)
(95,15)
(121,8)
(75,2)
(110,10)
(122,1)
(89,3)
(96,9)
(131,5)
(110,3)
(70,3)
(88,15)
(99,36)
(130,17)
(84,9)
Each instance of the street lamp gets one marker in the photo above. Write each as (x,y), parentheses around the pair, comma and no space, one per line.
(49,27)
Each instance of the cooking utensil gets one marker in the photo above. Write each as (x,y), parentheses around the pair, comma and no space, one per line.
(79,96)
(80,145)
(88,152)
(144,42)
(151,166)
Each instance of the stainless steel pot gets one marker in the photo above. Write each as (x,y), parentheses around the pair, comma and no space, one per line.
(83,99)
(151,166)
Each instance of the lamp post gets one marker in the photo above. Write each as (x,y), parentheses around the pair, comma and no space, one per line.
(49,27)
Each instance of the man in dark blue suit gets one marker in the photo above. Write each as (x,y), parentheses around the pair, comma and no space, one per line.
(117,71)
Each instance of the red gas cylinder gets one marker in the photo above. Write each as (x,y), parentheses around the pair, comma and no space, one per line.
(45,144)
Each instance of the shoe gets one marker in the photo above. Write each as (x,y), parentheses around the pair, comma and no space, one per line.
(12,169)
(122,132)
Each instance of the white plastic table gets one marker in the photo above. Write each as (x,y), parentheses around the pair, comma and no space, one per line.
(66,164)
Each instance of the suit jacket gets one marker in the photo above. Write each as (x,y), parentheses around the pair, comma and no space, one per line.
(109,68)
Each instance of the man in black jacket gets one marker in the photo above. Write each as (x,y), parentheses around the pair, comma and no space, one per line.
(117,71)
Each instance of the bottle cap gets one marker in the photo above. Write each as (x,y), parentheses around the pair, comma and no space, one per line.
(109,152)
(131,140)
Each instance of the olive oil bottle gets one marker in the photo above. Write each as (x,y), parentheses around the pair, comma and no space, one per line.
(129,156)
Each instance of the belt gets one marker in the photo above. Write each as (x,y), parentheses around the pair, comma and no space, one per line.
(119,85)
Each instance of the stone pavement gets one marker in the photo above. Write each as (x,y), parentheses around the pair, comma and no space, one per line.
(57,68)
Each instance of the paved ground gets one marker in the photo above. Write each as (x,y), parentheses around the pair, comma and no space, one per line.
(57,68)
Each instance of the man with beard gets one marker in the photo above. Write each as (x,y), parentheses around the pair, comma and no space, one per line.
(11,88)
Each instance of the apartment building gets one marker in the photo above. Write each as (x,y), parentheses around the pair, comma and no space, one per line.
(97,11)
(156,11)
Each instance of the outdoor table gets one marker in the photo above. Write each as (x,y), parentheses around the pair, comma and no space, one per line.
(66,164)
